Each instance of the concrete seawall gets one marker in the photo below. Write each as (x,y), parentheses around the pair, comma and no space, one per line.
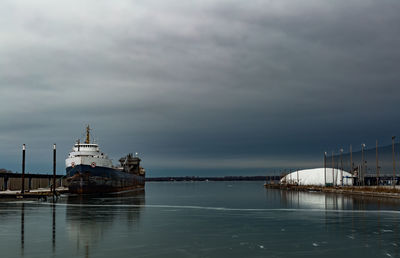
(380,191)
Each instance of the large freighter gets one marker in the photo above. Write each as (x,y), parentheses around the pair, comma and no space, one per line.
(89,171)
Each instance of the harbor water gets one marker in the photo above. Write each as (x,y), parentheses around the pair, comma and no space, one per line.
(202,219)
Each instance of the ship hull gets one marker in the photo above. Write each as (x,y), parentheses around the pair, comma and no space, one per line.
(85,179)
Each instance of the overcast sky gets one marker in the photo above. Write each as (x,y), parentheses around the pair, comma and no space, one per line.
(198,87)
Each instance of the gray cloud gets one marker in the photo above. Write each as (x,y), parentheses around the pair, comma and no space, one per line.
(194,84)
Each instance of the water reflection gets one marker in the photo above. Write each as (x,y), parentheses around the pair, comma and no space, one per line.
(258,222)
(22,228)
(22,231)
(89,219)
(53,239)
(328,201)
(352,219)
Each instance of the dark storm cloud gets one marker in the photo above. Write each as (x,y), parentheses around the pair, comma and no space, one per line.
(206,84)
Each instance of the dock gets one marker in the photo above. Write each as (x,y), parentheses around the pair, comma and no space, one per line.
(26,185)
(36,186)
(32,194)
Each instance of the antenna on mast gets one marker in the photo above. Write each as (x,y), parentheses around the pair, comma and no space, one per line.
(87,141)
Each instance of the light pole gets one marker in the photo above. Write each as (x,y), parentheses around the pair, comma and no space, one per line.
(363,163)
(394,162)
(333,170)
(377,165)
(351,160)
(341,167)
(325,167)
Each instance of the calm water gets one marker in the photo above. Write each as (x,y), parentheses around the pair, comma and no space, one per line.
(202,219)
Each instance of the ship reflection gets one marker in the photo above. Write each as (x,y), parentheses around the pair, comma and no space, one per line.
(89,219)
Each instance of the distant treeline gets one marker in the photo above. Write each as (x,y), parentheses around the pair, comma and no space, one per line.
(225,178)
(3,170)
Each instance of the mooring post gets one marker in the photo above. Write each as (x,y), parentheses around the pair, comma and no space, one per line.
(362,164)
(23,170)
(54,169)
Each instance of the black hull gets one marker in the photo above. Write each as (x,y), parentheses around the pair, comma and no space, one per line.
(85,179)
(99,189)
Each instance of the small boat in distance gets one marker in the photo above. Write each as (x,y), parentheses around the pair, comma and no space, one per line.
(90,171)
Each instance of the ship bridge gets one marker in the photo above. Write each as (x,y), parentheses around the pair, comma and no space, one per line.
(91,147)
(83,149)
(87,154)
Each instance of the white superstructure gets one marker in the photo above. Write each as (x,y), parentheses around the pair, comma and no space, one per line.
(87,154)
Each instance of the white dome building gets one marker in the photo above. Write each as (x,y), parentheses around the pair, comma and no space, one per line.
(317,176)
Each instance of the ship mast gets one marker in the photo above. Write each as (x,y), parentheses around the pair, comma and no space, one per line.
(87,141)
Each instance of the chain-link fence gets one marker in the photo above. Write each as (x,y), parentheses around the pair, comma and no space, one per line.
(368,164)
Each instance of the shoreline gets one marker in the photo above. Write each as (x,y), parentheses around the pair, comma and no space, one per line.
(211,178)
(370,191)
